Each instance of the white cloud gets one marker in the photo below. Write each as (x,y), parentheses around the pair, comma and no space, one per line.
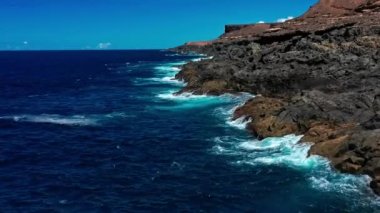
(105,45)
(285,19)
(261,22)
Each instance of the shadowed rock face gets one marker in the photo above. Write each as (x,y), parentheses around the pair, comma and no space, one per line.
(318,75)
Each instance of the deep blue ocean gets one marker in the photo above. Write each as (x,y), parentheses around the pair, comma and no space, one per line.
(101,131)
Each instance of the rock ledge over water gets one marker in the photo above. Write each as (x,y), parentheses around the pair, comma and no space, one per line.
(317,75)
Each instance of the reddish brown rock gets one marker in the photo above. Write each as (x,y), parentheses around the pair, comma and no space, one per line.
(239,31)
(328,148)
(259,107)
(326,131)
(198,43)
(333,8)
(326,14)
(263,113)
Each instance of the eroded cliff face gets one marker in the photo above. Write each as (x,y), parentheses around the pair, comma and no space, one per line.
(324,15)
(334,8)
(317,75)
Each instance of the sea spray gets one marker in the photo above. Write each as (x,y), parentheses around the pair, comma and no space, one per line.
(288,152)
(171,95)
(192,150)
(240,123)
(284,152)
(167,68)
(156,81)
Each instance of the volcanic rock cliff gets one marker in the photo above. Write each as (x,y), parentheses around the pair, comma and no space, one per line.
(317,75)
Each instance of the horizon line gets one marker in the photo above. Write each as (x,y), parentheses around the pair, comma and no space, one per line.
(56,50)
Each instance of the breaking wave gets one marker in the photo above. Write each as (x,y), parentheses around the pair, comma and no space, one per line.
(202,58)
(288,152)
(168,68)
(188,100)
(171,95)
(74,120)
(163,80)
(271,152)
(240,123)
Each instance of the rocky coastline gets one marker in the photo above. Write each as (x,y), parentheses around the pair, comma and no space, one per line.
(317,75)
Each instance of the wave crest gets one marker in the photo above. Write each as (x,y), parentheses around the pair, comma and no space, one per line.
(288,152)
(240,123)
(171,95)
(74,120)
(171,68)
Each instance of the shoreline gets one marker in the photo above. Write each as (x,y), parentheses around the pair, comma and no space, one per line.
(329,174)
(318,76)
(243,117)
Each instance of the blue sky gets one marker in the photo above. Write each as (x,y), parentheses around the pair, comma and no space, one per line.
(129,24)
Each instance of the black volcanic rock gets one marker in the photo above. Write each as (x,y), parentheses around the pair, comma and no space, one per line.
(319,75)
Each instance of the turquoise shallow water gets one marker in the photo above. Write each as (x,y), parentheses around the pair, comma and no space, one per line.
(102,131)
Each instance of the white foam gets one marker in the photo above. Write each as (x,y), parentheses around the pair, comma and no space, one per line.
(187,96)
(240,123)
(76,120)
(202,58)
(281,151)
(256,145)
(340,182)
(186,101)
(73,120)
(354,188)
(168,68)
(165,73)
(287,152)
(172,55)
(226,112)
(179,63)
(197,59)
(169,80)
(225,145)
(115,115)
(181,97)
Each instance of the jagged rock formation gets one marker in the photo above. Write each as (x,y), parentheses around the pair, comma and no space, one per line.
(318,75)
